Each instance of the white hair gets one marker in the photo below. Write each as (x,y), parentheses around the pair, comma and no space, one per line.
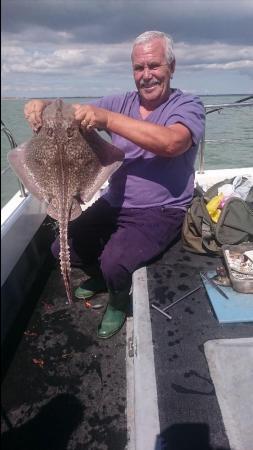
(150,35)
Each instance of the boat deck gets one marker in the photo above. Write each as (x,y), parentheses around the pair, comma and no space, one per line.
(64,388)
(190,417)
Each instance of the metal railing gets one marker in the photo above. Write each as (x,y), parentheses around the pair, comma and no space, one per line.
(243,102)
(13,144)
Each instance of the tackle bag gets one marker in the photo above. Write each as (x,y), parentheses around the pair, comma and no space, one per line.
(235,224)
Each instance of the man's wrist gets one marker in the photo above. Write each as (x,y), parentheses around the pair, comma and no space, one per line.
(109,120)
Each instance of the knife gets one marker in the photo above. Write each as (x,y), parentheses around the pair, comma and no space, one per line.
(218,289)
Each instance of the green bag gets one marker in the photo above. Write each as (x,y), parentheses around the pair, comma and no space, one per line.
(235,224)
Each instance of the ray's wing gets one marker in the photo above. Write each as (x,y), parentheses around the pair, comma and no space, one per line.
(35,162)
(17,161)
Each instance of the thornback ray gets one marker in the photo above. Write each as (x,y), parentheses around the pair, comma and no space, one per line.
(64,166)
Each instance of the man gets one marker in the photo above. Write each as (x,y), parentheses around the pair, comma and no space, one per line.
(142,211)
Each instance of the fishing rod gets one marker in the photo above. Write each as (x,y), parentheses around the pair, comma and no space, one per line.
(241,100)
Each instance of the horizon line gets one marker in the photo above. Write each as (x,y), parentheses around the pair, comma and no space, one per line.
(99,96)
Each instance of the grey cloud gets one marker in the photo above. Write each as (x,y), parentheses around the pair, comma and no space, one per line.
(188,54)
(118,21)
(89,41)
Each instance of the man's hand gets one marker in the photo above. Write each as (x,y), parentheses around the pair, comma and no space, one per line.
(91,117)
(33,112)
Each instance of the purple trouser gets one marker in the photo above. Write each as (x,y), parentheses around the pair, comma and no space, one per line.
(121,239)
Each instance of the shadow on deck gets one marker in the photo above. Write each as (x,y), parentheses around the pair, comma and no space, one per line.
(65,389)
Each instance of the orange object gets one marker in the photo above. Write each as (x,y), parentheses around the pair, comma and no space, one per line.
(87,304)
(38,362)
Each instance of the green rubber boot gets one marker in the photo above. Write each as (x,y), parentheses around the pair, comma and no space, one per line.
(90,287)
(115,314)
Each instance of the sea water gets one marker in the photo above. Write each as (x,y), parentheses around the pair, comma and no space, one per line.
(229,135)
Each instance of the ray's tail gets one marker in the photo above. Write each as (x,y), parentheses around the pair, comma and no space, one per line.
(65,255)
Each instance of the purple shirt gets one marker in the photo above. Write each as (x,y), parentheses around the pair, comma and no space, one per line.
(145,179)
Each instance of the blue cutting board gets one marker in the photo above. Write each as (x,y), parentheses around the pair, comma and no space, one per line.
(239,307)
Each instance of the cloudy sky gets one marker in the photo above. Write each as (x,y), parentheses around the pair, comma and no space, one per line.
(82,47)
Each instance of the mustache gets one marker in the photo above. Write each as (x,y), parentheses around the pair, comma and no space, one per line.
(146,84)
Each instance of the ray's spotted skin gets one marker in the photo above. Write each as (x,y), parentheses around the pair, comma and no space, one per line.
(64,167)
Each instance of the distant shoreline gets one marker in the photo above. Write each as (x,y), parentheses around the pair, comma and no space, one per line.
(100,96)
(29,98)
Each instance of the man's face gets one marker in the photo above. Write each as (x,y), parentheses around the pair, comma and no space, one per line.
(152,72)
